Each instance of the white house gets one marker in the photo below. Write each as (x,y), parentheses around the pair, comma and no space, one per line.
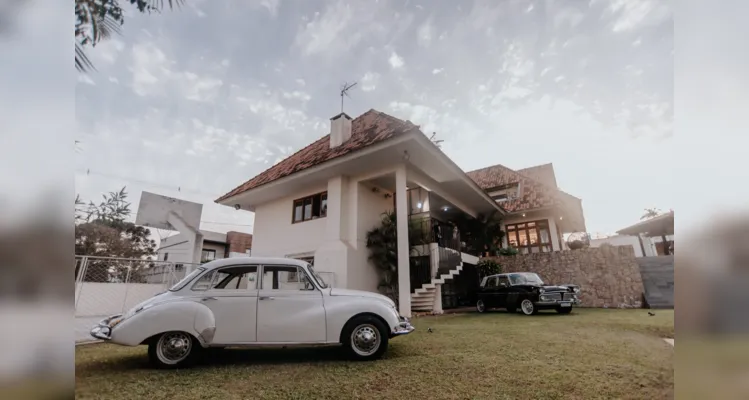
(215,245)
(319,203)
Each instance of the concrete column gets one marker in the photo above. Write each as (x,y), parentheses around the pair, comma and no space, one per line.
(553,232)
(401,213)
(434,260)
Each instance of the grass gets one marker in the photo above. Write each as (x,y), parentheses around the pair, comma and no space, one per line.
(589,354)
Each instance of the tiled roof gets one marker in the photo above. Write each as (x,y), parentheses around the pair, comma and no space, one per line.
(543,173)
(369,128)
(534,194)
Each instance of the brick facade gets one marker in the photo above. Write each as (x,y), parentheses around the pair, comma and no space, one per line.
(238,242)
(608,276)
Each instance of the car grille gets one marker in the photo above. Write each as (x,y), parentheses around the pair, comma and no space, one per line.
(569,296)
(553,296)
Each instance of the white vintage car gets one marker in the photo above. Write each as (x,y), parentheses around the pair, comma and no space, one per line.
(248,302)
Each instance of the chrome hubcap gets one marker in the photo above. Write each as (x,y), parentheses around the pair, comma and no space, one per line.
(527,306)
(365,340)
(173,347)
(480,306)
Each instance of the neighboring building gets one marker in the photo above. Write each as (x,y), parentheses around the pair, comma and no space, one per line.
(649,247)
(647,237)
(319,203)
(215,245)
(539,214)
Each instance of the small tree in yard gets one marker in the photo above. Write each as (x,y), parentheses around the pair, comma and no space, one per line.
(382,242)
(487,267)
(101,230)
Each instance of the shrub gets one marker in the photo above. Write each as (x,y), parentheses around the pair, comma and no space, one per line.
(488,267)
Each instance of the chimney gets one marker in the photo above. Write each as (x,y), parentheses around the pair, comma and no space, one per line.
(340,129)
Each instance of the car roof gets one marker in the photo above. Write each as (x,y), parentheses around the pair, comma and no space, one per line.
(227,262)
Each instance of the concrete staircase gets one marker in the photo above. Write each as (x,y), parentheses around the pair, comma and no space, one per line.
(658,279)
(423,298)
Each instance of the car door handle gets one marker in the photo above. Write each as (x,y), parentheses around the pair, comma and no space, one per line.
(207,298)
(267,298)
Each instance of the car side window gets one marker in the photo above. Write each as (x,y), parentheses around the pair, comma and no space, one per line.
(503,281)
(229,278)
(285,277)
(491,282)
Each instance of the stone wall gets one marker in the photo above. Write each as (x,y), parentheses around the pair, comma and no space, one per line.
(608,276)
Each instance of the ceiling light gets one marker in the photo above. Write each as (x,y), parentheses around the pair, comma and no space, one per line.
(523,214)
(418,205)
(560,218)
(445,208)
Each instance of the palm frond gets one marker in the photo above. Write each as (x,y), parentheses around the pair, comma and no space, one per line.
(82,63)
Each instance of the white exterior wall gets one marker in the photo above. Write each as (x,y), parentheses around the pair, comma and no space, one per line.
(338,241)
(179,249)
(275,236)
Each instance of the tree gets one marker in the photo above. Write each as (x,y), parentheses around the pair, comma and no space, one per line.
(650,213)
(101,231)
(382,242)
(100,19)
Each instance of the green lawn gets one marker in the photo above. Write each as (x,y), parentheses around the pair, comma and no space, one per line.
(589,354)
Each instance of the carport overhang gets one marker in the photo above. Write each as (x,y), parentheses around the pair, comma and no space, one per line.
(662,225)
(428,164)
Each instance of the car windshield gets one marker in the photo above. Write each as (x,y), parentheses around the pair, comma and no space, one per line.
(179,285)
(525,279)
(317,276)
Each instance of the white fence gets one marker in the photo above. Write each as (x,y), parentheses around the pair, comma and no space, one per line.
(106,286)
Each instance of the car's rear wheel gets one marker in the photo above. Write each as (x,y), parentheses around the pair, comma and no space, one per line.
(480,306)
(527,307)
(564,310)
(173,350)
(365,338)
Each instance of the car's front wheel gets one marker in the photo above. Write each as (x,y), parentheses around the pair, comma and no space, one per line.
(480,306)
(365,338)
(527,307)
(173,350)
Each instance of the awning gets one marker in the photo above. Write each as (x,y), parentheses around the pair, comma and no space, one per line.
(661,225)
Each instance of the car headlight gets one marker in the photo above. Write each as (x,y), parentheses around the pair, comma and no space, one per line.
(115,321)
(541,290)
(576,290)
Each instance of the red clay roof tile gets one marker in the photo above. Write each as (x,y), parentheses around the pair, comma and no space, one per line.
(369,128)
(534,194)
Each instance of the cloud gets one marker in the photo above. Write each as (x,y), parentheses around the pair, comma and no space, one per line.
(153,74)
(437,71)
(395,60)
(301,82)
(82,78)
(297,95)
(369,81)
(632,14)
(271,5)
(325,32)
(425,33)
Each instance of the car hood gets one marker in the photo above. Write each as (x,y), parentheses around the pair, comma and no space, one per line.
(361,293)
(551,288)
(159,298)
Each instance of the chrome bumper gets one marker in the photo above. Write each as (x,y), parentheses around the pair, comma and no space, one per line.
(557,302)
(404,327)
(102,330)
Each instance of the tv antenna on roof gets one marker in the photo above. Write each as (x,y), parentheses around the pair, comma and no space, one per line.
(344,91)
(434,139)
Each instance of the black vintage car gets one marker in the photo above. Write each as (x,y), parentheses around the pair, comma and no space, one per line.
(525,291)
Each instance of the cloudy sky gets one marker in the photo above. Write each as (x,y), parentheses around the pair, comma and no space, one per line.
(192,102)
